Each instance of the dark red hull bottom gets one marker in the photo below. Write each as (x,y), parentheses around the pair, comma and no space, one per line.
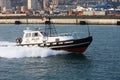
(75,50)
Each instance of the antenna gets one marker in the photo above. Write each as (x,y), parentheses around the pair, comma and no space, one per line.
(88,29)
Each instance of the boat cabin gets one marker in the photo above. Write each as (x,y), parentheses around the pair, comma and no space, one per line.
(32,37)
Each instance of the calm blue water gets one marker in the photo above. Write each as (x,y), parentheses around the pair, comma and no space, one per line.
(101,61)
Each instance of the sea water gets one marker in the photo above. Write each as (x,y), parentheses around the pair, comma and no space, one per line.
(100,61)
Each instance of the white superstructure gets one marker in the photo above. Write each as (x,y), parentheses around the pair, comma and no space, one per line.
(38,37)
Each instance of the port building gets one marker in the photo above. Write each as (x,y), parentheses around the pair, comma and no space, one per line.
(5,5)
(32,4)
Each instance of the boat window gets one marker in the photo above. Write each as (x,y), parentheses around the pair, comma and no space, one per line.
(44,34)
(35,35)
(28,35)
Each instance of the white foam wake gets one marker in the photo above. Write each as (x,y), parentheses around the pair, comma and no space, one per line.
(6,43)
(11,51)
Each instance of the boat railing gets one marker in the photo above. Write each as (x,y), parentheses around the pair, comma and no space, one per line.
(73,34)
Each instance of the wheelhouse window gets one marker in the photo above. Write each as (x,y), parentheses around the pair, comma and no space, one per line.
(35,34)
(28,35)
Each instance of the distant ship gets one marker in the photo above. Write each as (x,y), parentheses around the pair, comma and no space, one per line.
(50,39)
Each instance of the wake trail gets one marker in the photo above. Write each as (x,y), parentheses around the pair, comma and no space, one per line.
(9,50)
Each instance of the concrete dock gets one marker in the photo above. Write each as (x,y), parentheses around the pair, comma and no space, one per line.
(74,20)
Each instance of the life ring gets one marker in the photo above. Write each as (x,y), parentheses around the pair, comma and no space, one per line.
(18,40)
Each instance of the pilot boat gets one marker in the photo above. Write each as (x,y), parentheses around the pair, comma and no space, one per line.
(50,39)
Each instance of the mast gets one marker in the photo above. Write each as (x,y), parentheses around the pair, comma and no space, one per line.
(50,28)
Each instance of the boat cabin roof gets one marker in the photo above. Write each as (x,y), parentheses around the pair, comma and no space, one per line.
(33,31)
(30,31)
(36,32)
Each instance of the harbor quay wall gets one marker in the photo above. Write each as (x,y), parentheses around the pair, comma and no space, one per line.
(88,21)
(63,21)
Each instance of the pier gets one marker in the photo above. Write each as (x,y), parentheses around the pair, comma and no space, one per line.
(96,20)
